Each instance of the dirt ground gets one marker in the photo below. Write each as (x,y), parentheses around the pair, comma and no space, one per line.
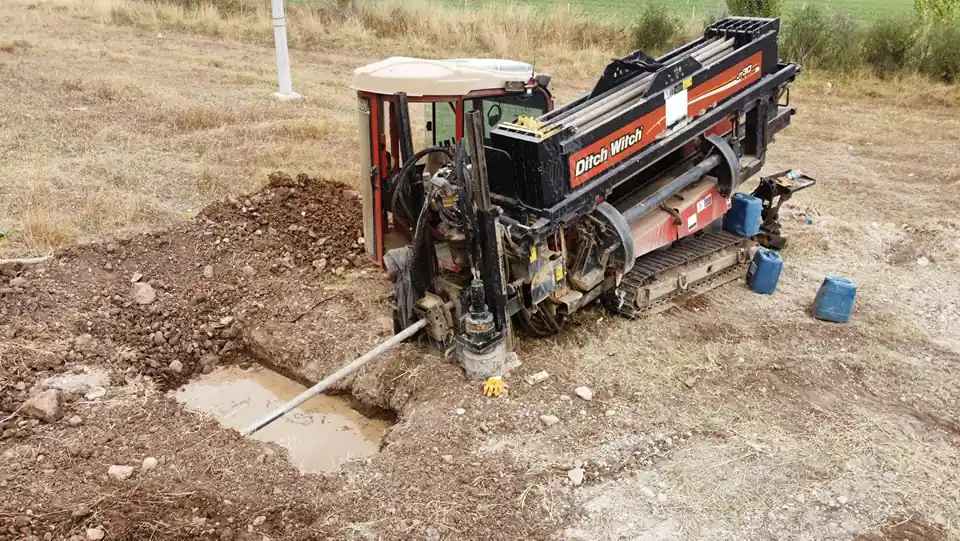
(736,417)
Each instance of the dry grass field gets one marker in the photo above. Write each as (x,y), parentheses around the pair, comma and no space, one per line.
(736,417)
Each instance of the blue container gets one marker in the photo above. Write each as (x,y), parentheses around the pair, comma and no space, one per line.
(764,272)
(743,218)
(834,300)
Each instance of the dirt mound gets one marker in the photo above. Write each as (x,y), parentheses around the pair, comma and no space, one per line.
(311,219)
(172,303)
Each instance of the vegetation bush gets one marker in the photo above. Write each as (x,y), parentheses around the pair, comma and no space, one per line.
(225,7)
(938,53)
(658,29)
(888,44)
(755,8)
(938,11)
(823,39)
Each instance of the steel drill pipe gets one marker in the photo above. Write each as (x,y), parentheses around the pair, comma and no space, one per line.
(612,94)
(348,369)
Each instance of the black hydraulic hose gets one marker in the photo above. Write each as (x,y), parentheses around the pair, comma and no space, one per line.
(398,180)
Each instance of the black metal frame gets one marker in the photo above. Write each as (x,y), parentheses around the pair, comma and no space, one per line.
(538,185)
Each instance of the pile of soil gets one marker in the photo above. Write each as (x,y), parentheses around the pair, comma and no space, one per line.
(202,281)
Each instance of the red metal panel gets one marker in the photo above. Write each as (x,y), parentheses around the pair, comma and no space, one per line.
(379,158)
(697,206)
(603,154)
(720,87)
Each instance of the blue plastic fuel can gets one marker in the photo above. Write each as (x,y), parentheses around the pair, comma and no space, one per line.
(744,215)
(834,300)
(764,272)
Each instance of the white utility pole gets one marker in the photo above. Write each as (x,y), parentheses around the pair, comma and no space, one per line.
(286,92)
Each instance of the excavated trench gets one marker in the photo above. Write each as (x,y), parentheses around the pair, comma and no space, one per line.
(248,304)
(319,435)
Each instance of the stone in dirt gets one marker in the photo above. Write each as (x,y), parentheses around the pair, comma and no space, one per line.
(75,421)
(137,276)
(149,463)
(143,293)
(95,393)
(576,476)
(539,377)
(44,406)
(208,271)
(81,512)
(120,473)
(584,392)
(95,534)
(19,281)
(176,366)
(549,420)
(248,270)
(259,520)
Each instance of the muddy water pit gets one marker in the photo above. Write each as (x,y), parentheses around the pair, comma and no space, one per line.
(319,436)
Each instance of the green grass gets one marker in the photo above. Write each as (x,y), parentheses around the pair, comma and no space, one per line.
(861,9)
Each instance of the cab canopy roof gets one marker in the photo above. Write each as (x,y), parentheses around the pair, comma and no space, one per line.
(453,77)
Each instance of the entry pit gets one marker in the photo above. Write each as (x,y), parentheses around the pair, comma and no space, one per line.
(319,435)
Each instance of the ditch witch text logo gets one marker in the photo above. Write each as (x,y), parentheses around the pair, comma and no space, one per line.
(618,145)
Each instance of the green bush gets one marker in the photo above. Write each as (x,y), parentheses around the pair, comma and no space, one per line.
(755,8)
(939,11)
(823,39)
(939,52)
(888,44)
(657,30)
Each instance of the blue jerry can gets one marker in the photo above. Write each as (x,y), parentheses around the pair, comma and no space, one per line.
(834,300)
(744,215)
(764,272)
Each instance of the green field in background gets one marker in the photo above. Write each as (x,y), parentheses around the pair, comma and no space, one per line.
(862,9)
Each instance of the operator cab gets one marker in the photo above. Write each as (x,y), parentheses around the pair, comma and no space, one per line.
(407,105)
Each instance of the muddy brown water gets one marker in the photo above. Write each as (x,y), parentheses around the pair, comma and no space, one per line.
(319,435)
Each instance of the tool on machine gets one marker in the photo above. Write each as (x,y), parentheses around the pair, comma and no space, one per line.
(523,214)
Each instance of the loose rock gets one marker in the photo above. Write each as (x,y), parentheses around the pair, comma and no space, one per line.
(75,421)
(248,271)
(149,463)
(95,534)
(259,520)
(137,276)
(81,512)
(95,393)
(584,392)
(19,281)
(576,476)
(44,406)
(549,420)
(143,293)
(208,271)
(176,366)
(539,377)
(120,473)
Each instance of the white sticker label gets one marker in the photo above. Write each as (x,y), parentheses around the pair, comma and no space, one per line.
(676,107)
(692,222)
(705,203)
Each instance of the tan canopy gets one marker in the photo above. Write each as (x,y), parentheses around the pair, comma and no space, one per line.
(424,77)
